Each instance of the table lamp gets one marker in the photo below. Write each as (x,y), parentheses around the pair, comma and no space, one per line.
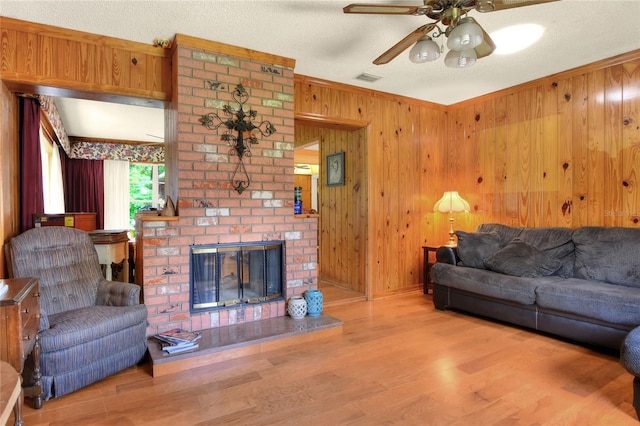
(451,202)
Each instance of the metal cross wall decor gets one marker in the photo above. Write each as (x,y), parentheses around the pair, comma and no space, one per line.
(239,134)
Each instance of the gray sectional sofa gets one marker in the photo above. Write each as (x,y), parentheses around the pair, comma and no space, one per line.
(581,284)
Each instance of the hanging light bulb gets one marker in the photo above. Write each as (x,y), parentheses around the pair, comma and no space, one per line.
(460,59)
(425,50)
(466,35)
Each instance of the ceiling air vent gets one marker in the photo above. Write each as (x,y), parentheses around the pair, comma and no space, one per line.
(368,77)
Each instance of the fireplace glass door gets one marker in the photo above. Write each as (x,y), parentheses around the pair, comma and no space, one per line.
(228,274)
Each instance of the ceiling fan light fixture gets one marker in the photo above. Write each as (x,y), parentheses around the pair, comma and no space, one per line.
(466,35)
(425,50)
(460,58)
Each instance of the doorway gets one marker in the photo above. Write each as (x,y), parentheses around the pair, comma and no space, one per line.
(342,208)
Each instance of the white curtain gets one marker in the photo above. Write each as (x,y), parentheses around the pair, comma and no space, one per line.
(52,187)
(56,188)
(116,194)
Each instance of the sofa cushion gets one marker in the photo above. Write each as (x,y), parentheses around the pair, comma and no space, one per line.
(521,259)
(72,328)
(488,283)
(611,303)
(556,243)
(474,247)
(505,232)
(608,254)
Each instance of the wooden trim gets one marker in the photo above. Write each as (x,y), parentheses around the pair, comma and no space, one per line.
(370,93)
(228,49)
(81,37)
(337,123)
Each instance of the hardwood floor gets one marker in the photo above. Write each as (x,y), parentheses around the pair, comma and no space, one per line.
(398,361)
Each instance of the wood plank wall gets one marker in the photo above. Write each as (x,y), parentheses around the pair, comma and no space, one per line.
(396,150)
(9,171)
(50,60)
(560,151)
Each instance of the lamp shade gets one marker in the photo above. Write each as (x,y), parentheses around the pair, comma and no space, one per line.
(451,202)
(466,35)
(460,59)
(425,50)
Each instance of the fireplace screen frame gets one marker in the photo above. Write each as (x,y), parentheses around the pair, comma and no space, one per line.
(210,290)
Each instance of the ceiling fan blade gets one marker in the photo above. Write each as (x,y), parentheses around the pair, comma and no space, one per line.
(487,46)
(403,44)
(493,5)
(386,9)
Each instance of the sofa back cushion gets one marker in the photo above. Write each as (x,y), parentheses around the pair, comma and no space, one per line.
(555,242)
(65,262)
(608,254)
(475,247)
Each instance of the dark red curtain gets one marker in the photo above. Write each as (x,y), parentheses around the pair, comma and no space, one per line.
(31,192)
(84,188)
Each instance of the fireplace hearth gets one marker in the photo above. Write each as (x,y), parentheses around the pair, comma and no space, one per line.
(223,275)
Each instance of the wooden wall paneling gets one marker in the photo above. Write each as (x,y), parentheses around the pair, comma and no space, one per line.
(565,161)
(537,154)
(9,172)
(512,148)
(138,70)
(579,151)
(45,58)
(631,143)
(613,145)
(595,145)
(486,178)
(499,200)
(65,64)
(377,228)
(471,157)
(524,158)
(551,171)
(8,44)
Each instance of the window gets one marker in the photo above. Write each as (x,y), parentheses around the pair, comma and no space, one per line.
(146,188)
(52,187)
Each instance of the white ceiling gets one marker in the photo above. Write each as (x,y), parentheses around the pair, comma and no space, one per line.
(329,44)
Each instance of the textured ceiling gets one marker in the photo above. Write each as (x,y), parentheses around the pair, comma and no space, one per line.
(329,44)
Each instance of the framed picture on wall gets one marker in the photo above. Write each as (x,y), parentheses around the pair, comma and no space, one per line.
(335,169)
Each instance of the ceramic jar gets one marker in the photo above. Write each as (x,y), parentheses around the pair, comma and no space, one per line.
(297,307)
(314,300)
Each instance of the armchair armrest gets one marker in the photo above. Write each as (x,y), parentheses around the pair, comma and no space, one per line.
(115,293)
(446,254)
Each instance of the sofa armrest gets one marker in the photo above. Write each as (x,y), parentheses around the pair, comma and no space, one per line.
(446,254)
(115,293)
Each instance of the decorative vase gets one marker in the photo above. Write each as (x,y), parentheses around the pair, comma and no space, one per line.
(314,302)
(297,307)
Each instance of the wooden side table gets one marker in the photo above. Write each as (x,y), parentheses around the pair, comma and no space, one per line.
(427,266)
(10,390)
(19,325)
(112,247)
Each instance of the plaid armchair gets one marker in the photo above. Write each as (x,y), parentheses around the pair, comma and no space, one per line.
(90,327)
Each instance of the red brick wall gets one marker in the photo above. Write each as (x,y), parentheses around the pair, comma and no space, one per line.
(210,210)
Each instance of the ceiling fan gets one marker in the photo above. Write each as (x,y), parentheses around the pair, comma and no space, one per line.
(466,40)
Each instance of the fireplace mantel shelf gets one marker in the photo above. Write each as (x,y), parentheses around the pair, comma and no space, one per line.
(153,218)
(306,215)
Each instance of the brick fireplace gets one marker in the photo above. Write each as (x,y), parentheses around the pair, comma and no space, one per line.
(209,210)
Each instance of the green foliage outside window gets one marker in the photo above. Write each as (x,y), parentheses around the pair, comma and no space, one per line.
(143,178)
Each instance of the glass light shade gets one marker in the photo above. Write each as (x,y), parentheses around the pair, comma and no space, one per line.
(466,35)
(460,59)
(425,50)
(451,202)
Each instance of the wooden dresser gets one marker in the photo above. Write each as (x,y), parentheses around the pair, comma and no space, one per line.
(19,324)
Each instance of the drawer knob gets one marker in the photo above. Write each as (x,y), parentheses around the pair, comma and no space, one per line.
(25,311)
(36,294)
(26,337)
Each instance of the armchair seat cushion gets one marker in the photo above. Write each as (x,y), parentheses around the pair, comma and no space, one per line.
(72,328)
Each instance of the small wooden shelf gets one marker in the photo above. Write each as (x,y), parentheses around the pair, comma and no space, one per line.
(306,215)
(154,218)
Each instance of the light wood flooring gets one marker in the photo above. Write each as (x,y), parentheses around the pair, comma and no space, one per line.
(397,362)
